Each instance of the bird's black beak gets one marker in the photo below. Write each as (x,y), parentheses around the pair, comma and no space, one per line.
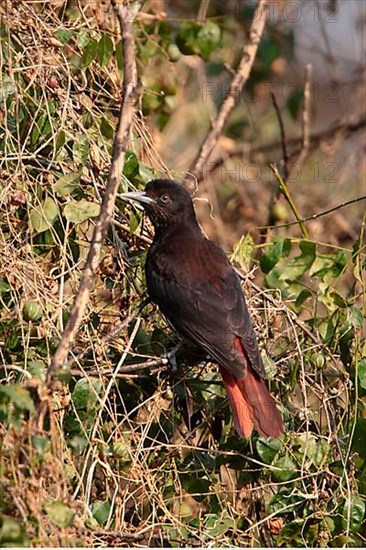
(139,196)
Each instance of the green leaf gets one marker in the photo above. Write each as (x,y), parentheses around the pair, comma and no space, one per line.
(83,37)
(85,393)
(353,513)
(279,249)
(287,469)
(79,211)
(37,369)
(89,53)
(361,367)
(104,50)
(208,38)
(131,166)
(359,437)
(146,174)
(288,535)
(10,533)
(80,149)
(298,265)
(67,183)
(100,510)
(63,35)
(306,443)
(106,129)
(134,221)
(60,514)
(43,216)
(302,297)
(268,51)
(18,396)
(355,317)
(186,37)
(217,526)
(294,102)
(243,251)
(119,55)
(328,266)
(268,449)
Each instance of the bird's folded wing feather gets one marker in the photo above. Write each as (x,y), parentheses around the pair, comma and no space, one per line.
(204,302)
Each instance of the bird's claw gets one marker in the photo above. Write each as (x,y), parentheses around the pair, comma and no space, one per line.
(171,356)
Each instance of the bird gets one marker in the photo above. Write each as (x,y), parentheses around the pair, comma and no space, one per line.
(199,292)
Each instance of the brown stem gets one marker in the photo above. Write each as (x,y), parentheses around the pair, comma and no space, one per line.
(125,14)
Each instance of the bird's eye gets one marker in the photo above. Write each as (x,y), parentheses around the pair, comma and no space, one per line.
(164,199)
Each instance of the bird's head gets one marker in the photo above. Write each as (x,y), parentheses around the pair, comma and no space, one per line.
(166,203)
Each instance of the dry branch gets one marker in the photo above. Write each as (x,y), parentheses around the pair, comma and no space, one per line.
(196,169)
(341,129)
(126,15)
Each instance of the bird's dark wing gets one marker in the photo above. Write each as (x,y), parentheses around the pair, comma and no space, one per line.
(200,293)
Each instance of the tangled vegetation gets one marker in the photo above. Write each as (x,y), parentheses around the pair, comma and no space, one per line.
(132,453)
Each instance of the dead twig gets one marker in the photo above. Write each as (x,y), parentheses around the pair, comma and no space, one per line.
(196,169)
(285,154)
(305,122)
(281,186)
(342,129)
(126,14)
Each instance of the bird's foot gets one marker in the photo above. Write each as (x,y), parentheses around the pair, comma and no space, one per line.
(171,356)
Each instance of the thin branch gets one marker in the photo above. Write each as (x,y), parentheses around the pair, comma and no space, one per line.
(284,190)
(285,154)
(320,214)
(196,169)
(126,15)
(305,120)
(343,128)
(202,12)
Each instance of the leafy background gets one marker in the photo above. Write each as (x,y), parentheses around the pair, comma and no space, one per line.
(145,456)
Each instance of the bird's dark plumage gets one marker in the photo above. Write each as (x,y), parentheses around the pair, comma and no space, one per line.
(197,289)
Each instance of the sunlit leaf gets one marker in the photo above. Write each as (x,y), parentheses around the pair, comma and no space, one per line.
(362,373)
(208,39)
(79,211)
(17,395)
(85,393)
(279,249)
(287,469)
(353,513)
(104,50)
(300,264)
(60,514)
(100,510)
(67,183)
(268,449)
(43,216)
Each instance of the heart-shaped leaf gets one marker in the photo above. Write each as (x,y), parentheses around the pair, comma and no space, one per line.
(79,211)
(44,215)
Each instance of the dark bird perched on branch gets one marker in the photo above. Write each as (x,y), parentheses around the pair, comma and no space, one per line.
(196,288)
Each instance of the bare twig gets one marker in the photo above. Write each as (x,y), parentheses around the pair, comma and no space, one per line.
(202,12)
(320,214)
(305,121)
(343,128)
(285,154)
(196,169)
(284,190)
(125,14)
(282,182)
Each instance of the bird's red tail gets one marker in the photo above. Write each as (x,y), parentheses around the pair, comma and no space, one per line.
(252,405)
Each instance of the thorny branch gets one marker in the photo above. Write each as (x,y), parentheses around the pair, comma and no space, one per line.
(126,15)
